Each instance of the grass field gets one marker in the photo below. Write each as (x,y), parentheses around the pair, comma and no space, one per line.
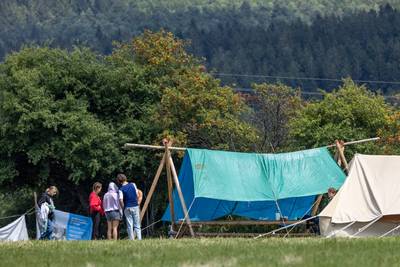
(205,252)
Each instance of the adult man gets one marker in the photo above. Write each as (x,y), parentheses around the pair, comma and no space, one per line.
(130,200)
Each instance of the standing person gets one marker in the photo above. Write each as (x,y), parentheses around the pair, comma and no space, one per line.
(113,210)
(130,200)
(46,216)
(95,209)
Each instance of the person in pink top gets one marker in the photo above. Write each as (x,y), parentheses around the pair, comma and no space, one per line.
(113,210)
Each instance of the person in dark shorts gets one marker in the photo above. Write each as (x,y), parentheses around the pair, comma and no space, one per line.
(112,210)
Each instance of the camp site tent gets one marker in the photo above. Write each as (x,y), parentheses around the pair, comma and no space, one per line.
(15,231)
(368,204)
(256,186)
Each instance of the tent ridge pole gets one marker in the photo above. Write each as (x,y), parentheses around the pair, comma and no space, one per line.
(130,145)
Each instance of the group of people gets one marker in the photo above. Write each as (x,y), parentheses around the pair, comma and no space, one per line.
(122,200)
(117,202)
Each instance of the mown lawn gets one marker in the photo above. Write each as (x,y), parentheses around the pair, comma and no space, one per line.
(205,252)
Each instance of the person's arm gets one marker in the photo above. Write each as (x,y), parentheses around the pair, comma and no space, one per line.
(139,196)
(121,199)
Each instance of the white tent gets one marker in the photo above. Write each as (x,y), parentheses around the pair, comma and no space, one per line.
(368,204)
(15,231)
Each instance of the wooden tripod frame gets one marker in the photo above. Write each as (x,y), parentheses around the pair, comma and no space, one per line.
(172,177)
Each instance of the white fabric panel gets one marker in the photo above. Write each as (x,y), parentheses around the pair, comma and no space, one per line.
(15,231)
(372,189)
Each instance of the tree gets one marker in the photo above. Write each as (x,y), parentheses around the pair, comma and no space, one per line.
(274,105)
(351,112)
(65,116)
(194,109)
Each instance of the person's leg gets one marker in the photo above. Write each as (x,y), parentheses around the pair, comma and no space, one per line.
(96,222)
(136,223)
(115,229)
(43,229)
(98,225)
(50,228)
(129,222)
(109,230)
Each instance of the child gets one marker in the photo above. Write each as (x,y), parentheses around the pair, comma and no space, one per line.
(95,209)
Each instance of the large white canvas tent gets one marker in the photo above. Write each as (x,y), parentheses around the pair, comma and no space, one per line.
(368,204)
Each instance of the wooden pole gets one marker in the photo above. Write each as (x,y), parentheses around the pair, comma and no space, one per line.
(178,188)
(36,214)
(170,185)
(340,148)
(153,187)
(316,206)
(129,145)
(357,141)
(35,200)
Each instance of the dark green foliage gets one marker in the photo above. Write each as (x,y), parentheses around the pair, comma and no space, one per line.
(65,116)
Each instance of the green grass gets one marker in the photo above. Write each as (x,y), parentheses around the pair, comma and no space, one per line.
(205,252)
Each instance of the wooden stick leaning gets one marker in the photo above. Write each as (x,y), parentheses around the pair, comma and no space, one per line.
(340,148)
(178,188)
(170,185)
(36,214)
(153,187)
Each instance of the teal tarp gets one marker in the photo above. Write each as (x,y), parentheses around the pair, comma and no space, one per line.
(255,177)
(218,183)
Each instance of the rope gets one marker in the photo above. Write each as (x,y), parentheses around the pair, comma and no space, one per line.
(28,212)
(279,210)
(391,231)
(302,217)
(366,226)
(341,229)
(151,224)
(184,219)
(301,78)
(282,228)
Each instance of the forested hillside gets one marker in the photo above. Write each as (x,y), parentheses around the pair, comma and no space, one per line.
(291,38)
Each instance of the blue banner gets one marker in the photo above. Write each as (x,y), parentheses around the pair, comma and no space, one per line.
(69,226)
(79,227)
